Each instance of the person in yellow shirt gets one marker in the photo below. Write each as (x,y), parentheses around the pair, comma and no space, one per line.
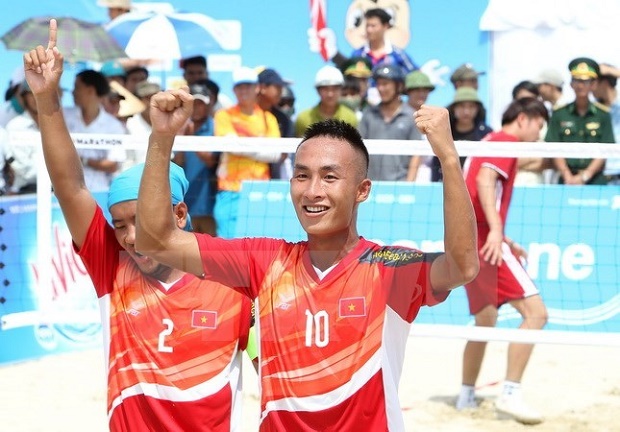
(245,119)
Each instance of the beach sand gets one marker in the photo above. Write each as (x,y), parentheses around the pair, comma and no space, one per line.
(577,388)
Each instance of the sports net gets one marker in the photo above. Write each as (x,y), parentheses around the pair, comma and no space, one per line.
(570,232)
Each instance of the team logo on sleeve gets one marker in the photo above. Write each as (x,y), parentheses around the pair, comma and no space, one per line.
(204,319)
(392,256)
(352,307)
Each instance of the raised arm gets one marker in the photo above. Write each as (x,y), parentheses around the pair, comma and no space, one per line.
(157,234)
(460,263)
(43,69)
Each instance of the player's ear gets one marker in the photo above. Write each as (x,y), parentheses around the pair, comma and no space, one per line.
(363,190)
(180,214)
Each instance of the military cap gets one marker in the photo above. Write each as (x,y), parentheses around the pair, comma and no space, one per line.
(417,79)
(358,67)
(584,68)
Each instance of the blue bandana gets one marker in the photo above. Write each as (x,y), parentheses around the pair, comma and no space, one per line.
(125,186)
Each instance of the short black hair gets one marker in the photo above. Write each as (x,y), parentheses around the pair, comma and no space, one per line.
(531,107)
(611,80)
(135,69)
(199,60)
(95,79)
(383,16)
(339,130)
(525,85)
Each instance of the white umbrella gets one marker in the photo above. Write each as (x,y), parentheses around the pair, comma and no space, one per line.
(167,36)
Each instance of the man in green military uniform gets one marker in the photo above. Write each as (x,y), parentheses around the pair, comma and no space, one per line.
(581,121)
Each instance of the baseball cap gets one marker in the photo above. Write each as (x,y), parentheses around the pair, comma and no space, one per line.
(200,92)
(549,76)
(244,75)
(112,68)
(271,77)
(147,88)
(465,72)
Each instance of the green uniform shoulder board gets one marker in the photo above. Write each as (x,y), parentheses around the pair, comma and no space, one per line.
(601,106)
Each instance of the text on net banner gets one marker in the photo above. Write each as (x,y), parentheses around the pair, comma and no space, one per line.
(571,234)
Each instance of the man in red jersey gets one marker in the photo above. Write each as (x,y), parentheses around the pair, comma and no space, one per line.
(334,311)
(502,278)
(173,341)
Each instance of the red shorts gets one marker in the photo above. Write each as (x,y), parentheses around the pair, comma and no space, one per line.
(498,285)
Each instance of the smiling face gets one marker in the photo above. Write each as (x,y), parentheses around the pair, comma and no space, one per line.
(124,223)
(327,186)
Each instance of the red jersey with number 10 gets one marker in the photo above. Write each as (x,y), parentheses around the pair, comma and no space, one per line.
(173,357)
(331,350)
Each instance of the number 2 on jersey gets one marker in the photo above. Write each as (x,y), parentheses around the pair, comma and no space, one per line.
(317,324)
(162,347)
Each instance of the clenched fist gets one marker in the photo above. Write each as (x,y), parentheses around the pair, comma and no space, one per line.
(170,110)
(434,122)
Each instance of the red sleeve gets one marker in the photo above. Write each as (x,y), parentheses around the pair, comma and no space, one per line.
(247,321)
(411,286)
(503,166)
(100,253)
(238,263)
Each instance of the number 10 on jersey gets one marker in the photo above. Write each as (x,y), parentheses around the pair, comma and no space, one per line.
(317,329)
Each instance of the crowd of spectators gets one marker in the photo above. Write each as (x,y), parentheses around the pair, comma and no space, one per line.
(377,89)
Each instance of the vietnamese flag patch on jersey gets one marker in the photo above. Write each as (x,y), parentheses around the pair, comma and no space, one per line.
(352,307)
(204,319)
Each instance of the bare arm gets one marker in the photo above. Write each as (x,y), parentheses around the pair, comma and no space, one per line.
(414,164)
(105,165)
(460,263)
(157,234)
(486,181)
(43,69)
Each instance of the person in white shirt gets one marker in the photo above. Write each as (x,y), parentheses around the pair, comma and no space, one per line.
(140,124)
(22,158)
(89,116)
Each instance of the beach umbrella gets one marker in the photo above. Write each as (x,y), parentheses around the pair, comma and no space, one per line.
(78,40)
(171,36)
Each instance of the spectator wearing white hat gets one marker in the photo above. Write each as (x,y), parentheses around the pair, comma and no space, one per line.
(245,119)
(550,83)
(328,82)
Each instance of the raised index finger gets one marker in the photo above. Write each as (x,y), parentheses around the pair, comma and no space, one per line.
(52,34)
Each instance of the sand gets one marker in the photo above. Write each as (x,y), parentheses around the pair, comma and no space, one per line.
(576,387)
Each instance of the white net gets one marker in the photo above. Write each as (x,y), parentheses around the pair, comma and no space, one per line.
(570,232)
